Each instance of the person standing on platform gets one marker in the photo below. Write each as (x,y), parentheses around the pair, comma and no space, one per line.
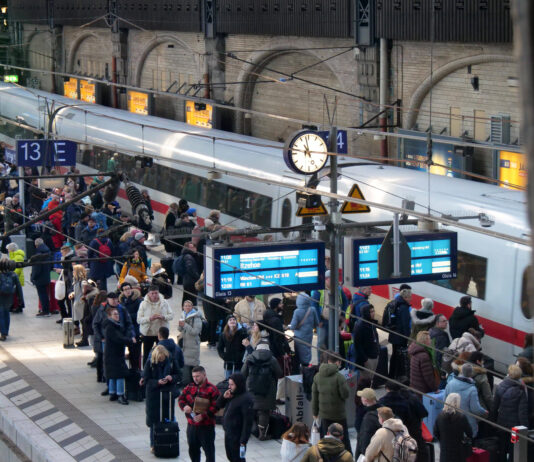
(440,338)
(198,400)
(238,417)
(272,318)
(18,256)
(331,447)
(191,273)
(304,320)
(100,270)
(9,286)
(130,298)
(422,376)
(249,309)
(329,394)
(154,312)
(230,347)
(359,299)
(463,318)
(397,319)
(370,423)
(190,327)
(365,340)
(381,448)
(40,276)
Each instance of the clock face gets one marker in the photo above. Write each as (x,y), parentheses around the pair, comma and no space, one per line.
(306,152)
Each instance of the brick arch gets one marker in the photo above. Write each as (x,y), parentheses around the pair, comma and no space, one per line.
(250,72)
(439,74)
(32,35)
(160,40)
(74,49)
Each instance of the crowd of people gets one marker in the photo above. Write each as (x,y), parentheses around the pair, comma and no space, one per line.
(249,337)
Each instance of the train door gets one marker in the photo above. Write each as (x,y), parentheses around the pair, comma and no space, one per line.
(522,309)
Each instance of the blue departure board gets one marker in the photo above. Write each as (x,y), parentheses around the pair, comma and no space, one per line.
(433,257)
(263,268)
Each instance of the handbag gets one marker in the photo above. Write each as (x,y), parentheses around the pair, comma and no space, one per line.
(315,433)
(201,405)
(60,290)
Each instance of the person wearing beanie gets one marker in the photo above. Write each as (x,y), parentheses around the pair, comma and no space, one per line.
(462,318)
(397,318)
(331,447)
(272,318)
(464,385)
(262,372)
(230,346)
(238,416)
(422,319)
(304,320)
(138,243)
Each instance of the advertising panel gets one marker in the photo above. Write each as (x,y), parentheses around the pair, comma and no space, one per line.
(513,169)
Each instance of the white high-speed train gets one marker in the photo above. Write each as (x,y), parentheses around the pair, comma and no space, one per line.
(492,270)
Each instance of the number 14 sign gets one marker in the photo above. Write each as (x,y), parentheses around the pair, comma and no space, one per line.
(36,153)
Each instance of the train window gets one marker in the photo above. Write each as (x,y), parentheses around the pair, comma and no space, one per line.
(525,305)
(286,215)
(239,203)
(471,276)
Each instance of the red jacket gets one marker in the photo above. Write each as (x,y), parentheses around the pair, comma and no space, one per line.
(57,238)
(187,398)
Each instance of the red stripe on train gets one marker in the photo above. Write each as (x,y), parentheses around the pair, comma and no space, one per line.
(493,329)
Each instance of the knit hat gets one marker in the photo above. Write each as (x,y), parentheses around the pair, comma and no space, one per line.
(230,316)
(113,295)
(367,393)
(274,302)
(139,236)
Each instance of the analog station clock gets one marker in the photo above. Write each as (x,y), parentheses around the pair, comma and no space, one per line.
(305,152)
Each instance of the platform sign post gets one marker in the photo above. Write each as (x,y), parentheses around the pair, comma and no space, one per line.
(33,153)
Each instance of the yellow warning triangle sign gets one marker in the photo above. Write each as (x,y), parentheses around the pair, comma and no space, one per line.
(312,211)
(351,207)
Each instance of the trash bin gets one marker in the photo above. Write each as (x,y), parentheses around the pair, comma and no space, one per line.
(298,408)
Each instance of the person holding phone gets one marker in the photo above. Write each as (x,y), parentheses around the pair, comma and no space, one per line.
(238,415)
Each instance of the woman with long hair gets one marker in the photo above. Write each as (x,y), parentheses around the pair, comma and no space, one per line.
(453,431)
(79,274)
(134,267)
(295,443)
(255,336)
(230,346)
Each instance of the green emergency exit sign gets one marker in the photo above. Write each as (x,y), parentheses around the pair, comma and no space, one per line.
(11,78)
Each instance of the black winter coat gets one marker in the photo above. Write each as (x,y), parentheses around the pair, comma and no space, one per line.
(131,304)
(231,351)
(441,341)
(449,430)
(155,392)
(461,321)
(365,338)
(114,362)
(192,272)
(41,272)
(407,407)
(510,405)
(368,428)
(163,282)
(402,322)
(238,416)
(278,342)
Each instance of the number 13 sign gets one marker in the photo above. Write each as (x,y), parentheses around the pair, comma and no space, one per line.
(32,153)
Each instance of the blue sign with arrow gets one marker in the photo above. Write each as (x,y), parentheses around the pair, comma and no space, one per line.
(38,153)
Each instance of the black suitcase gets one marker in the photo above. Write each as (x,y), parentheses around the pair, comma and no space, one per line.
(166,264)
(381,367)
(278,425)
(166,433)
(134,391)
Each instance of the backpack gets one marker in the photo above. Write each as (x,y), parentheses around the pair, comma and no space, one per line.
(389,318)
(178,266)
(404,447)
(104,250)
(448,357)
(7,284)
(322,458)
(260,376)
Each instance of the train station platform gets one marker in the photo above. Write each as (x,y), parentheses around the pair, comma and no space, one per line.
(50,403)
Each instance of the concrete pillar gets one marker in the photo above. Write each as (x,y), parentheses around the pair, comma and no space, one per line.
(215,66)
(119,41)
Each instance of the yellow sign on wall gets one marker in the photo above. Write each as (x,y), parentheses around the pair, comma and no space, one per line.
(70,88)
(512,169)
(199,114)
(87,91)
(139,102)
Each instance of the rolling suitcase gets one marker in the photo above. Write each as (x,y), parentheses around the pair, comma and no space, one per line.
(68,333)
(434,406)
(381,367)
(166,440)
(278,425)
(479,455)
(166,264)
(134,391)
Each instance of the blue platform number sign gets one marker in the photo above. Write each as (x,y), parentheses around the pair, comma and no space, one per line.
(342,147)
(34,153)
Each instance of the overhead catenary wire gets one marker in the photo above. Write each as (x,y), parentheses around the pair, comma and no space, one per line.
(321,350)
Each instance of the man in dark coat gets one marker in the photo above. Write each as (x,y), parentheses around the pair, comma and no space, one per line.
(100,270)
(370,423)
(40,276)
(238,416)
(399,321)
(192,272)
(89,232)
(264,399)
(365,338)
(130,299)
(439,336)
(114,362)
(272,318)
(463,318)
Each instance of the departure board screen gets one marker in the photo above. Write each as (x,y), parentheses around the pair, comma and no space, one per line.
(262,269)
(433,257)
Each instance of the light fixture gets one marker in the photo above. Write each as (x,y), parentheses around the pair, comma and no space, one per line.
(213,175)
